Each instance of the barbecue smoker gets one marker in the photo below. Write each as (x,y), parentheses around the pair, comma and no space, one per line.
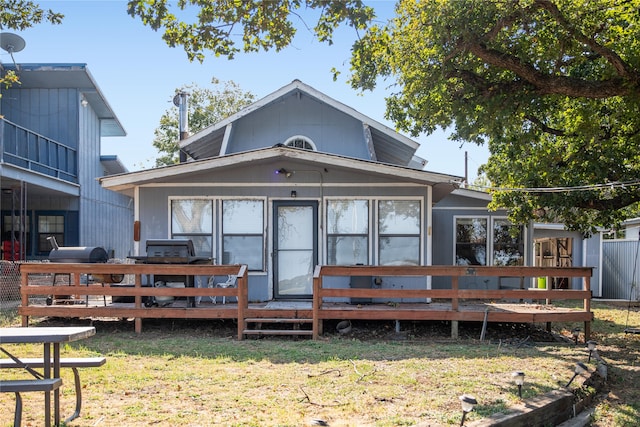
(170,251)
(79,255)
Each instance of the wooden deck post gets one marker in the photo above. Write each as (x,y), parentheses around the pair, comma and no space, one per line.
(24,296)
(243,300)
(138,304)
(454,306)
(316,323)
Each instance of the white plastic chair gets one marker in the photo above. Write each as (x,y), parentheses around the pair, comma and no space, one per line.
(230,283)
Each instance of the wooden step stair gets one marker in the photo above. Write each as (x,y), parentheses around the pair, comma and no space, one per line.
(259,322)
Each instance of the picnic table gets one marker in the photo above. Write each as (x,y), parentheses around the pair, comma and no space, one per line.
(49,337)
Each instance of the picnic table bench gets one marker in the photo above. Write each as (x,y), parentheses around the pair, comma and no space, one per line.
(20,386)
(33,385)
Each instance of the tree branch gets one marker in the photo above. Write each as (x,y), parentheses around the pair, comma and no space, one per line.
(545,84)
(622,68)
(545,128)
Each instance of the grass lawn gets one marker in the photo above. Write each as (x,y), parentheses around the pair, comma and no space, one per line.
(198,374)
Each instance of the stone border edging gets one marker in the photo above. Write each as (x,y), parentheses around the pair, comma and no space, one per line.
(552,408)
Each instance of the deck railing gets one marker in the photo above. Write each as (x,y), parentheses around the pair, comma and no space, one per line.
(137,291)
(453,295)
(453,310)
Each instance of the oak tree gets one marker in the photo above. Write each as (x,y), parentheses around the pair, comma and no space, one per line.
(552,86)
(227,27)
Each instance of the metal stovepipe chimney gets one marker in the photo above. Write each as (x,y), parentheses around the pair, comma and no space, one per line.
(180,100)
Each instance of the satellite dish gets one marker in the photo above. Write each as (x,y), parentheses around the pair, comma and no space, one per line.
(176,100)
(11,42)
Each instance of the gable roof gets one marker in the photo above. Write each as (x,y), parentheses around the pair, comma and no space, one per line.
(389,146)
(76,76)
(125,183)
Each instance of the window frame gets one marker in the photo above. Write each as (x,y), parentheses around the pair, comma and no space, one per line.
(307,141)
(211,235)
(370,203)
(217,226)
(421,227)
(41,246)
(496,219)
(490,242)
(262,233)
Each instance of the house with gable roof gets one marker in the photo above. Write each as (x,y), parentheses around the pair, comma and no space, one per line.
(298,179)
(51,125)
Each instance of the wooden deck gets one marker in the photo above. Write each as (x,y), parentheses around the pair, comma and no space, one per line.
(95,300)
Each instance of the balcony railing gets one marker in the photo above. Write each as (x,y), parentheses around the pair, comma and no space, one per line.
(27,149)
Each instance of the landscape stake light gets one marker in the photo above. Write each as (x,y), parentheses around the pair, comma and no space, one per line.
(576,334)
(580,368)
(518,377)
(468,403)
(591,345)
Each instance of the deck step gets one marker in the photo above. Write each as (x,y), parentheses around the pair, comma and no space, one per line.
(294,329)
(297,332)
(276,320)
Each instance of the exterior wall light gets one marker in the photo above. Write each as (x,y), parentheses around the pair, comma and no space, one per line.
(283,171)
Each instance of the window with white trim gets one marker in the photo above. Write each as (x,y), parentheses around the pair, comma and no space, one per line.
(508,243)
(243,233)
(399,232)
(471,241)
(347,232)
(193,219)
(476,243)
(299,141)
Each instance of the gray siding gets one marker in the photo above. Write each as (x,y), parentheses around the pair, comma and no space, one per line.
(331,130)
(258,181)
(444,241)
(106,217)
(49,112)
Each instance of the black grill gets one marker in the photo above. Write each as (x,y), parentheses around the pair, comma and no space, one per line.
(80,254)
(170,251)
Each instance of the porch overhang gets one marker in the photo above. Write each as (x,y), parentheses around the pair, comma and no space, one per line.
(38,184)
(442,184)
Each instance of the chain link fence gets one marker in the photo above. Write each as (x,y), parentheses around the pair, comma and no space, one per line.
(9,289)
(10,280)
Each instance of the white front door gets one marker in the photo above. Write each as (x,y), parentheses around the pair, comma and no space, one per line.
(295,248)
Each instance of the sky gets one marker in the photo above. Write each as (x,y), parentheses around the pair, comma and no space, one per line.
(138,74)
